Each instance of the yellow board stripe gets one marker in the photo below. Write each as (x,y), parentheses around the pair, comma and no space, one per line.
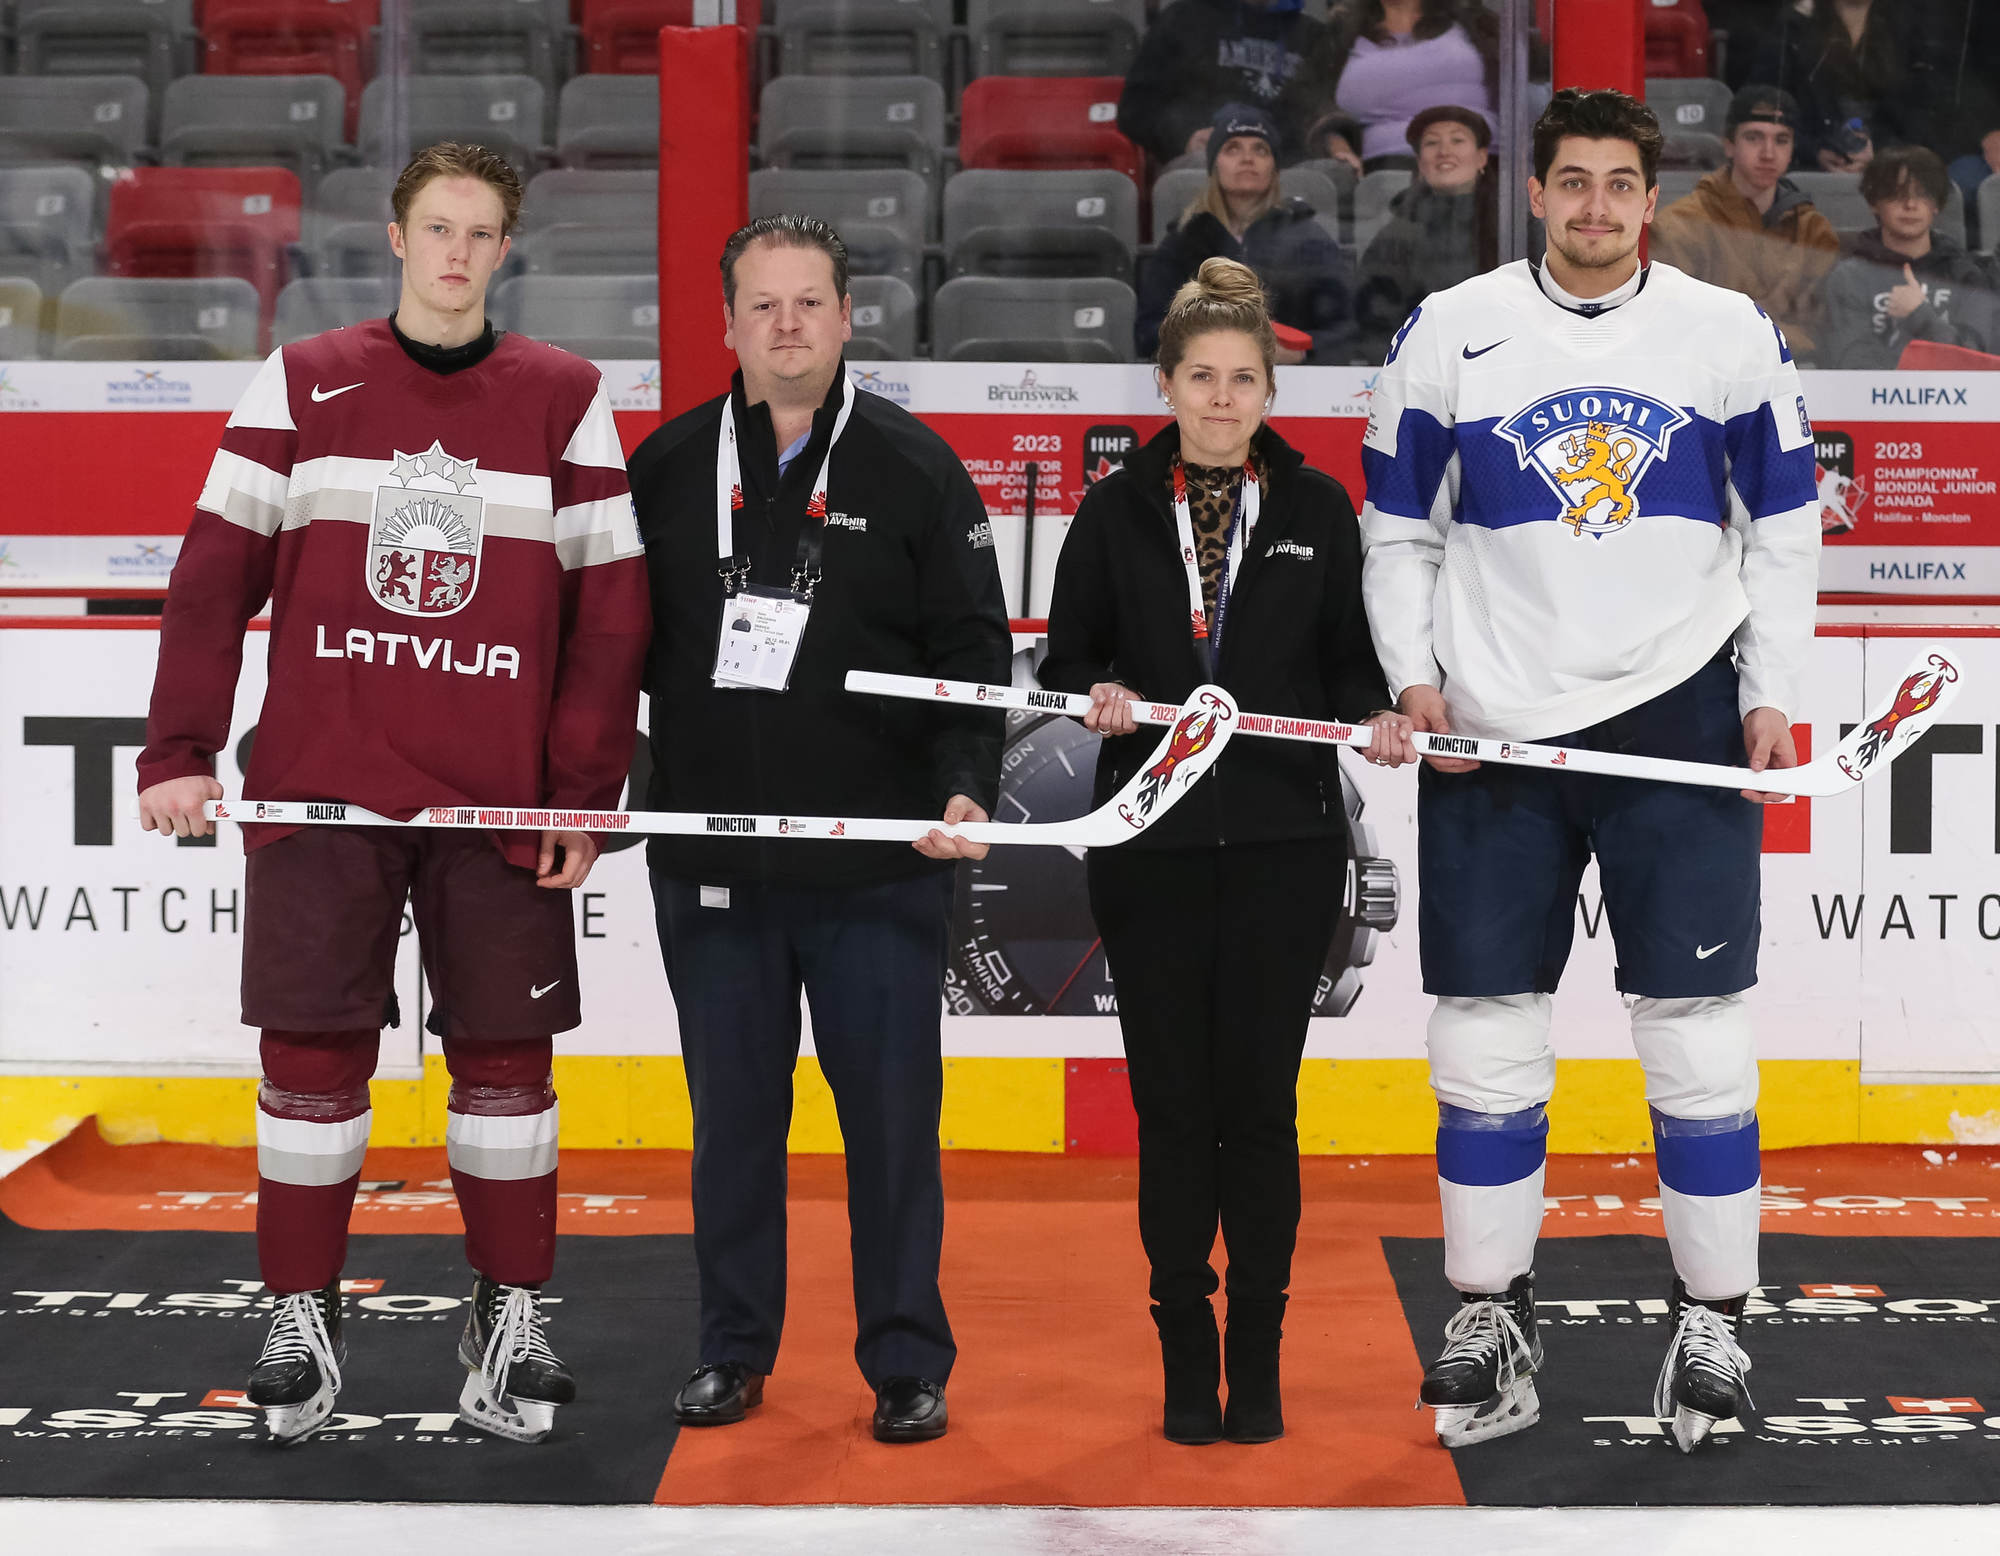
(1350,1107)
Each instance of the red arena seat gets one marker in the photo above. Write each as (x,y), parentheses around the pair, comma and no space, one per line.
(622,37)
(192,222)
(1045,122)
(1676,38)
(292,38)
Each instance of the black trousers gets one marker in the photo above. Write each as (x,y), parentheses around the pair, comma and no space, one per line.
(871,962)
(1215,952)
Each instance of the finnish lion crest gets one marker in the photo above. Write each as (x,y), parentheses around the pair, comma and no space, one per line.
(425,541)
(1592,447)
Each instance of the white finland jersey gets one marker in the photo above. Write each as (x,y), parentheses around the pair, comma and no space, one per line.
(1568,515)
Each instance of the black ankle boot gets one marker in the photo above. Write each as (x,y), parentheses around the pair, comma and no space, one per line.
(1190,1355)
(1256,1413)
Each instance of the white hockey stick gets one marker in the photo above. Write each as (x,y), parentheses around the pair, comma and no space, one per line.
(1201,728)
(1930,682)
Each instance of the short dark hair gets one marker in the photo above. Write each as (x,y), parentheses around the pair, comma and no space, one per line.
(1603,114)
(785,232)
(459,159)
(1918,166)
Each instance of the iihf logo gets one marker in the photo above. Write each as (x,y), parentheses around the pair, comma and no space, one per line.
(1592,446)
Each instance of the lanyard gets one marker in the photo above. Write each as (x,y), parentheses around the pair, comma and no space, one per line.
(735,568)
(1242,522)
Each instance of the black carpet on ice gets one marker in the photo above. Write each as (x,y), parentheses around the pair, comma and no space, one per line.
(1889,1396)
(121,1354)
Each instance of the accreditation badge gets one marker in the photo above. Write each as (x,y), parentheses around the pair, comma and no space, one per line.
(759,639)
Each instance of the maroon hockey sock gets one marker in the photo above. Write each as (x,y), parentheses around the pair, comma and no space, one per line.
(501,1139)
(312,1132)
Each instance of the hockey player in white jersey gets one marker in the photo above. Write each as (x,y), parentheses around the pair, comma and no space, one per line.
(1591,519)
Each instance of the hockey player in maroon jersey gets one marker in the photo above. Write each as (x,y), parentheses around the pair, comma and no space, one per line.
(438,515)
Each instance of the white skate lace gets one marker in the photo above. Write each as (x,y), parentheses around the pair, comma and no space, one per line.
(1481,1329)
(1707,1342)
(298,1331)
(517,1337)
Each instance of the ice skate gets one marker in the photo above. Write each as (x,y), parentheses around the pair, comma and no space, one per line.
(514,1380)
(1701,1381)
(298,1373)
(1482,1385)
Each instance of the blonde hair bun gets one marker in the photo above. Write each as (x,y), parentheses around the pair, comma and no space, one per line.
(1225,294)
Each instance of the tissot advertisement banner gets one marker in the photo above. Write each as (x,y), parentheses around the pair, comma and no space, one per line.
(1881,935)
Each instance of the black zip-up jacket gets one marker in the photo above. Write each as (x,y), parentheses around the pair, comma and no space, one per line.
(908,585)
(1295,643)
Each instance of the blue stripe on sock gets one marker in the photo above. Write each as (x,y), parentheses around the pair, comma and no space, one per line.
(1707,1157)
(1483,1150)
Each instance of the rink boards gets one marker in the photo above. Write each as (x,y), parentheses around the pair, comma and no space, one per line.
(1878,1009)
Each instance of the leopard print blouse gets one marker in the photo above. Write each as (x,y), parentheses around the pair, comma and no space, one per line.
(1211,497)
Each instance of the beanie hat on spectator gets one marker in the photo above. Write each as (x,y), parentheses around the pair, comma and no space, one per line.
(1762,104)
(1449,113)
(1233,119)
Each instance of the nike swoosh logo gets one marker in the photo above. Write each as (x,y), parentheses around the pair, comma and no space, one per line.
(535,994)
(1703,953)
(1468,353)
(330,393)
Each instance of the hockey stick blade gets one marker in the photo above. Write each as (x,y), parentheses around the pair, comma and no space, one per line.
(1930,682)
(1187,751)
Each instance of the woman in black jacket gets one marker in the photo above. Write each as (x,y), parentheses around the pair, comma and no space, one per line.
(1217,554)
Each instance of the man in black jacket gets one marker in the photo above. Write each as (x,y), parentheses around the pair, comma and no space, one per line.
(856,533)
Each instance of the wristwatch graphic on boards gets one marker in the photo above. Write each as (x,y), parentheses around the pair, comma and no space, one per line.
(1023,943)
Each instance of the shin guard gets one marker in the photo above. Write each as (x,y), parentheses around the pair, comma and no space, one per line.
(312,1132)
(500,1138)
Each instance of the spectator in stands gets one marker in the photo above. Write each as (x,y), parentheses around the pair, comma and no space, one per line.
(1202,54)
(1241,215)
(1443,229)
(1750,228)
(1392,59)
(1904,280)
(1967,100)
(1861,72)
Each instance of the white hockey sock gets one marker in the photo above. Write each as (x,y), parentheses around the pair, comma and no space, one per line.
(1711,1191)
(1490,1169)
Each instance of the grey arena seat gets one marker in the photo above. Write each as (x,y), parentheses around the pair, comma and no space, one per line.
(863,37)
(46,224)
(1677,184)
(1054,37)
(1689,103)
(884,121)
(502,113)
(1372,196)
(345,223)
(86,121)
(20,319)
(1000,222)
(884,319)
(106,319)
(151,39)
(312,305)
(489,38)
(239,121)
(609,123)
(591,223)
(881,214)
(987,319)
(1989,213)
(1693,149)
(594,316)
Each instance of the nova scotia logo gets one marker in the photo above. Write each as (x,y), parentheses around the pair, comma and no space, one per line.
(1592,446)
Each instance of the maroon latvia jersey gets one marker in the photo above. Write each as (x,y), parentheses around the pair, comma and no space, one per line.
(458,593)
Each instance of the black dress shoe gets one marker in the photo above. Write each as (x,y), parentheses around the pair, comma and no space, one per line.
(909,1410)
(717,1394)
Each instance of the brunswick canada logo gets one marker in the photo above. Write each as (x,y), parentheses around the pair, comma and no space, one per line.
(423,551)
(1592,447)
